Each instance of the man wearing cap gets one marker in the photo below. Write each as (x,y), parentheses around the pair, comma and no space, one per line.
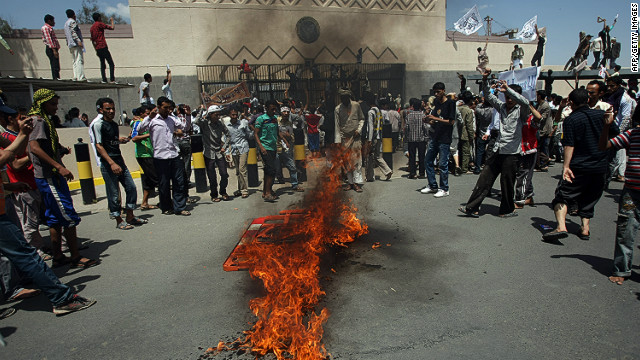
(349,120)
(51,178)
(215,146)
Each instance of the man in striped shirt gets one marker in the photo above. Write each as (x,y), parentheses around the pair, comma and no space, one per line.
(628,213)
(52,45)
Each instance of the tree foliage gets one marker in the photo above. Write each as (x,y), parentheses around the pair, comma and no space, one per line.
(5,26)
(85,14)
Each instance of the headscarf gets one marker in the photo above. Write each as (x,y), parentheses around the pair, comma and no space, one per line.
(39,98)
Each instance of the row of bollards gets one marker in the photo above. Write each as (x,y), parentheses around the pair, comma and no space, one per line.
(85,174)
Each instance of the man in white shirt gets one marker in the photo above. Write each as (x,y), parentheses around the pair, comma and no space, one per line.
(166,87)
(144,91)
(76,46)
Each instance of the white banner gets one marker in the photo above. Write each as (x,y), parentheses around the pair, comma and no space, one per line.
(528,32)
(470,22)
(603,72)
(526,78)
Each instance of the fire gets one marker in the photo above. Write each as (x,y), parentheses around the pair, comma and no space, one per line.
(287,261)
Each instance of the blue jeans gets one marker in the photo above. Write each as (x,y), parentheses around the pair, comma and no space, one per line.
(481,147)
(434,149)
(30,265)
(285,159)
(111,181)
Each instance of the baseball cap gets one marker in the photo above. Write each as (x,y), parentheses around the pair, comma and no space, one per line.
(214,109)
(5,109)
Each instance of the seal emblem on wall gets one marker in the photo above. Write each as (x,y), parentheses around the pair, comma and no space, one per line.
(308,29)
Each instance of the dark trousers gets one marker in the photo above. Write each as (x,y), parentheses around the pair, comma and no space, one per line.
(54,62)
(105,56)
(537,57)
(504,165)
(420,148)
(171,173)
(481,146)
(221,164)
(543,151)
(585,190)
(184,148)
(596,55)
(395,137)
(524,177)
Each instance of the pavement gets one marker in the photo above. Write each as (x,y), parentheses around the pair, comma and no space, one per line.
(442,286)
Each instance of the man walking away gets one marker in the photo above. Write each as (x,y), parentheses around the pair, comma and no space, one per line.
(52,45)
(585,166)
(100,44)
(76,45)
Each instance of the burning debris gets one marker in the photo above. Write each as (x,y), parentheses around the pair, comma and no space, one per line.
(284,251)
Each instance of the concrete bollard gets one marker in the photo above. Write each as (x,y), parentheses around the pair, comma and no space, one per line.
(199,168)
(85,174)
(387,145)
(252,164)
(299,154)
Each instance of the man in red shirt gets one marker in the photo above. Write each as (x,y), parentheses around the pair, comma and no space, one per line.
(100,44)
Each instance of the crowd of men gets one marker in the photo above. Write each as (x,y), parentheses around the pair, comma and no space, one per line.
(593,132)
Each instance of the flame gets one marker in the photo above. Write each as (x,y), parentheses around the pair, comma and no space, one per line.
(288,324)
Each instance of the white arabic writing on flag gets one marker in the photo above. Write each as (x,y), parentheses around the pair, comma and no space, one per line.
(470,22)
(528,32)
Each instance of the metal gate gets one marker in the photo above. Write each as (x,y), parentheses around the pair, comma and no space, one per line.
(300,82)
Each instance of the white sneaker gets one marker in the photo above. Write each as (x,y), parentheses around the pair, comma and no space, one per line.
(441,193)
(427,190)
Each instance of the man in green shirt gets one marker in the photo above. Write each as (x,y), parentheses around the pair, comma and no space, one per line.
(144,155)
(267,136)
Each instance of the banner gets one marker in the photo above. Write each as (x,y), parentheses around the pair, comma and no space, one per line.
(528,32)
(227,95)
(470,22)
(526,78)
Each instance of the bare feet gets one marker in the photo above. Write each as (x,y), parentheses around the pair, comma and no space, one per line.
(617,279)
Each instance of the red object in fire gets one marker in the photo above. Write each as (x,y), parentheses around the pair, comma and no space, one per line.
(261,229)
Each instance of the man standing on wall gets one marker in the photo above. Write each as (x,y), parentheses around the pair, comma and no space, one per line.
(100,44)
(537,56)
(52,45)
(76,45)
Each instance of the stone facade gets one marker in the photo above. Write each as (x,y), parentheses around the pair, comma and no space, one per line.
(187,33)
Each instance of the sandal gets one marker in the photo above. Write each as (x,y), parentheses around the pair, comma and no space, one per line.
(582,236)
(357,188)
(298,189)
(269,198)
(60,262)
(25,294)
(148,207)
(225,197)
(183,213)
(347,187)
(468,212)
(511,214)
(244,196)
(191,200)
(136,221)
(167,212)
(123,225)
(80,264)
(216,199)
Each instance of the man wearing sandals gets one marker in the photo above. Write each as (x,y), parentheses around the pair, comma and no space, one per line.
(267,135)
(51,179)
(585,165)
(240,133)
(349,122)
(215,139)
(25,257)
(112,166)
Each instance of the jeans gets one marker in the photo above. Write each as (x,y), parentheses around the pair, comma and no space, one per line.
(481,146)
(434,149)
(105,56)
(171,174)
(30,265)
(54,62)
(221,164)
(285,159)
(626,229)
(111,181)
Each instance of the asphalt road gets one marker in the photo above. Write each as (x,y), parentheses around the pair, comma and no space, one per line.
(447,287)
